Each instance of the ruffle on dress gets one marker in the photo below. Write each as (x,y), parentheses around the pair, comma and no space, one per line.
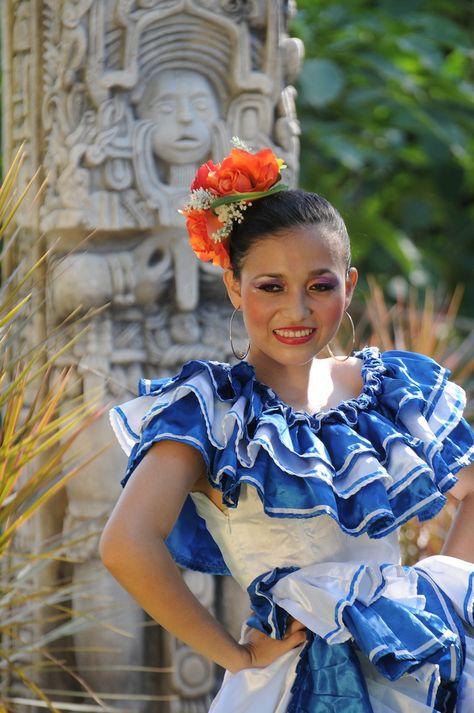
(380,637)
(398,617)
(371,463)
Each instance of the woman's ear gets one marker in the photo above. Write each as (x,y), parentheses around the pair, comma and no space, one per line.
(351,281)
(233,288)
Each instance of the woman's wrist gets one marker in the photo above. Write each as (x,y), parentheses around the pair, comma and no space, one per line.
(241,658)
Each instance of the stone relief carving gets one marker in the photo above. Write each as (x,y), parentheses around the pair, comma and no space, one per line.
(193,675)
(135,94)
(179,109)
(129,143)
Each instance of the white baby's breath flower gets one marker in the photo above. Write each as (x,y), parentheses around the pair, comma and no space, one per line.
(239,144)
(229,213)
(219,235)
(201,199)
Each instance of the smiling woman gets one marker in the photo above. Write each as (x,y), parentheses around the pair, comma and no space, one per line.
(294,310)
(292,471)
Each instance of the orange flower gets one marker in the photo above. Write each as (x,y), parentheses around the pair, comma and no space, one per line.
(210,212)
(200,179)
(242,172)
(201,224)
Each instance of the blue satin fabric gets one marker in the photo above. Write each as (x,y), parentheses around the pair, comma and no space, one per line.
(450,665)
(191,545)
(300,464)
(400,630)
(328,678)
(397,638)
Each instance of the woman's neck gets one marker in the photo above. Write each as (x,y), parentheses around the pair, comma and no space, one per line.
(313,387)
(296,385)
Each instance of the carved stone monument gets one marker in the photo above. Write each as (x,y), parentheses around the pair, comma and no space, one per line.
(119,101)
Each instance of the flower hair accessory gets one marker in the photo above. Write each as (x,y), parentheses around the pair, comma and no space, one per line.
(220,194)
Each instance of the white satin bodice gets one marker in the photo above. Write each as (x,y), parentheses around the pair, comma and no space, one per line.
(252,542)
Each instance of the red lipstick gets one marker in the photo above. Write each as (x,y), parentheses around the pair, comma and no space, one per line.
(294,335)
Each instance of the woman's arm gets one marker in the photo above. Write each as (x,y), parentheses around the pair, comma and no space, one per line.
(132,547)
(460,540)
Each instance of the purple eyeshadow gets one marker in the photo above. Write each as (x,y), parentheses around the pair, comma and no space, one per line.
(326,281)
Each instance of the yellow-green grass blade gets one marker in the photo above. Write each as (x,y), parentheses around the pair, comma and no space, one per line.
(10,212)
(14,311)
(8,183)
(32,686)
(10,529)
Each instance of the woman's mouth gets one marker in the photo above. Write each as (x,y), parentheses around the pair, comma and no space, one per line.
(294,335)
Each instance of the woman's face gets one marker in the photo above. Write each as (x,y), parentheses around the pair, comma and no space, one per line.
(293,290)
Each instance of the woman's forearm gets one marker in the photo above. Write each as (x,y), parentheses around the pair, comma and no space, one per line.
(460,540)
(132,547)
(144,567)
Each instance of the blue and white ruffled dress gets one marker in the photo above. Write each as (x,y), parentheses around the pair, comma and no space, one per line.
(313,503)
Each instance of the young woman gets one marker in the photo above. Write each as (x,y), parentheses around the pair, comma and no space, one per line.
(292,471)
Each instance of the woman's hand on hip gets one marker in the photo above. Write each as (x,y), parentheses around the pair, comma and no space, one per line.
(260,650)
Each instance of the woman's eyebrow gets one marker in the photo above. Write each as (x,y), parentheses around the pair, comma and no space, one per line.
(312,273)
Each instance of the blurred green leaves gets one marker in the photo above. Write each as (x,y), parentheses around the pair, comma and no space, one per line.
(386,103)
(322,81)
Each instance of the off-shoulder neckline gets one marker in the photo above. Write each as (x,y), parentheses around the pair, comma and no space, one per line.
(372,371)
(370,463)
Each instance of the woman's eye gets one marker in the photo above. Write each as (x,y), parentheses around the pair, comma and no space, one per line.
(322,286)
(270,287)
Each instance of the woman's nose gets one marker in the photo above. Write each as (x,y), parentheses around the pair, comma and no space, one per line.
(299,305)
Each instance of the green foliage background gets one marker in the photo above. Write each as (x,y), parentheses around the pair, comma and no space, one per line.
(386,104)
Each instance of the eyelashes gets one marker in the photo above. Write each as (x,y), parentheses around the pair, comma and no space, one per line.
(324,286)
(270,287)
(315,287)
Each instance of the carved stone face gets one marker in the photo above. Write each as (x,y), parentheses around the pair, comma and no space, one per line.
(183,107)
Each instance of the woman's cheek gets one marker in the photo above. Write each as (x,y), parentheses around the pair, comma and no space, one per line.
(334,314)
(256,313)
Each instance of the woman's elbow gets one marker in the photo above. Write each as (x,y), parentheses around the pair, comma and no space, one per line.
(119,544)
(110,547)
(126,542)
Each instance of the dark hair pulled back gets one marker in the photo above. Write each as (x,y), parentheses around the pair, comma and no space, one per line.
(283,210)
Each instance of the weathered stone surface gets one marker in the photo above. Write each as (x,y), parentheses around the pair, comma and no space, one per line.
(118,102)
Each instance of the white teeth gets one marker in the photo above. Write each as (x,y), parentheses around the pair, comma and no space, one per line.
(293,333)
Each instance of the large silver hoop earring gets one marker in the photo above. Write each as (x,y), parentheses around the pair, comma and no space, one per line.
(237,354)
(353,341)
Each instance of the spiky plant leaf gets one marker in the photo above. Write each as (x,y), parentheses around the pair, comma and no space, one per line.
(36,436)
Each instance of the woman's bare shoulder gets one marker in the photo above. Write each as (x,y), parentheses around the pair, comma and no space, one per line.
(337,381)
(347,377)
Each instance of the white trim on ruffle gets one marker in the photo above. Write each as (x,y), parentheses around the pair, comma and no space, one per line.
(317,594)
(456,579)
(225,422)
